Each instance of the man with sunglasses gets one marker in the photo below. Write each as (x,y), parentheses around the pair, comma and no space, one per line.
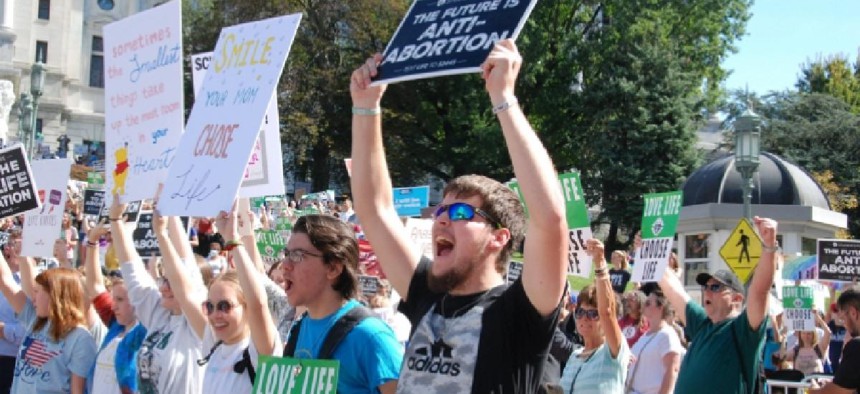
(471,332)
(727,332)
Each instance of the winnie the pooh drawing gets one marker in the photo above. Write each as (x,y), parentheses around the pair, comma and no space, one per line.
(121,170)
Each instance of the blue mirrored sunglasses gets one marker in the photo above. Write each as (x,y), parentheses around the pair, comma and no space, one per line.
(462,211)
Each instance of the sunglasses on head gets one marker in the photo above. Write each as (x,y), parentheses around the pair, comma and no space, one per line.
(462,211)
(715,287)
(592,314)
(223,306)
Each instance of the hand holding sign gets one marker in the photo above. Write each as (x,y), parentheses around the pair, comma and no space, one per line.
(363,94)
(97,232)
(500,71)
(117,209)
(227,224)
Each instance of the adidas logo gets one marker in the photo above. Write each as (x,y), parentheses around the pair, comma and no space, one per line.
(436,359)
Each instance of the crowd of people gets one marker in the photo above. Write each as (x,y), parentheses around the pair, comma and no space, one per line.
(197,318)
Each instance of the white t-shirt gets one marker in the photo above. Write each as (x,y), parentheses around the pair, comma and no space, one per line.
(104,379)
(167,359)
(220,376)
(649,351)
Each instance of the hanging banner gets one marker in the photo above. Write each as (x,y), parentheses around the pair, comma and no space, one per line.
(264,173)
(226,120)
(449,37)
(659,221)
(42,225)
(144,100)
(838,260)
(18,192)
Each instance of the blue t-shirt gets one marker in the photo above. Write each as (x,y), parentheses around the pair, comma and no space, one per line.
(46,366)
(369,355)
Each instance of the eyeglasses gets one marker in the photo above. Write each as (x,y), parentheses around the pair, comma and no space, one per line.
(223,306)
(592,314)
(714,287)
(296,256)
(462,211)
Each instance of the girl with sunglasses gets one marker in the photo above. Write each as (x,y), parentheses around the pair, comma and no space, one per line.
(166,361)
(657,355)
(600,366)
(235,299)
(57,351)
(115,370)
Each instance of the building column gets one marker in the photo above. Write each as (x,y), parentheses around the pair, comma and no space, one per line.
(6,22)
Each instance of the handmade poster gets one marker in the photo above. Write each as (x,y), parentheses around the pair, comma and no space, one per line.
(226,120)
(408,201)
(264,174)
(42,225)
(420,231)
(659,221)
(144,100)
(838,260)
(450,37)
(296,376)
(93,201)
(797,303)
(18,193)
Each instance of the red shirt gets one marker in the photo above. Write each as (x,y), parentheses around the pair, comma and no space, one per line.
(631,330)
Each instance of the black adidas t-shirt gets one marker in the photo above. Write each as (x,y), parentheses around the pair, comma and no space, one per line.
(493,342)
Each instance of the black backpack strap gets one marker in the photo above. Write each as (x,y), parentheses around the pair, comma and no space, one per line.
(341,328)
(290,347)
(246,358)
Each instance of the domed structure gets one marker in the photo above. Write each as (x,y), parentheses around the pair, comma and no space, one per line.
(777,182)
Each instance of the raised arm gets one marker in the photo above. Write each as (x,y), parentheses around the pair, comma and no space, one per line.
(174,270)
(264,333)
(371,182)
(179,239)
(824,341)
(245,227)
(606,305)
(94,280)
(676,294)
(762,279)
(27,273)
(546,245)
(10,289)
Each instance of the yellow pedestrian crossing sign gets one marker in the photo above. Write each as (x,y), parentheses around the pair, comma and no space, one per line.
(742,250)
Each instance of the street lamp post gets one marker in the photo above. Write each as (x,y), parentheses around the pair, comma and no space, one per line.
(37,84)
(25,114)
(747,147)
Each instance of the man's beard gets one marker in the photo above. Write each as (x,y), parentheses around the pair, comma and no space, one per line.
(448,281)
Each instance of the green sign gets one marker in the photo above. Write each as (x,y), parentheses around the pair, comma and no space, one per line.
(660,216)
(283,224)
(797,297)
(270,243)
(95,178)
(291,375)
(574,200)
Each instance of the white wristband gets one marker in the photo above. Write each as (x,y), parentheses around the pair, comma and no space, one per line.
(504,105)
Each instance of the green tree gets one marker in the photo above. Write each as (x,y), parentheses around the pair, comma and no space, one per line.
(835,76)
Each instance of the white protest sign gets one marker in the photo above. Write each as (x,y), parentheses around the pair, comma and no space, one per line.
(144,110)
(798,308)
(420,231)
(42,225)
(578,260)
(226,120)
(17,188)
(264,174)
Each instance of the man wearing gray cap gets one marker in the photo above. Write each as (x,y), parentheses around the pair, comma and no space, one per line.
(727,336)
